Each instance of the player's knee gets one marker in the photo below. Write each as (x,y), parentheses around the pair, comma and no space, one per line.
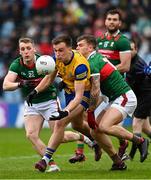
(59,125)
(31,136)
(103,129)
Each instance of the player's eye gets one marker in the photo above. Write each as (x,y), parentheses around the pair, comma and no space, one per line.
(22,49)
(28,48)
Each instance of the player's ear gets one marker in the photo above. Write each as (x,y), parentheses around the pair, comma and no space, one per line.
(120,24)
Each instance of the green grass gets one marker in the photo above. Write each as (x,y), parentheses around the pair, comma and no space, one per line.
(17,160)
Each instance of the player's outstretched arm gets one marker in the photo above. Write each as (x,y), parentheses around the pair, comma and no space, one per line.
(10,83)
(46,82)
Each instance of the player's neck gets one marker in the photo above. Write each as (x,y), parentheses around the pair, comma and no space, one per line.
(69,58)
(30,63)
(110,33)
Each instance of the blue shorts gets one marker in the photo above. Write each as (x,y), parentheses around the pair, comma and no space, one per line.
(85,100)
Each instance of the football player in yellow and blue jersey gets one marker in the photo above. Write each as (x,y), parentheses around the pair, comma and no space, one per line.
(74,70)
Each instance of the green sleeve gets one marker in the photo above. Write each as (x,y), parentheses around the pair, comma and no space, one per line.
(14,67)
(123,44)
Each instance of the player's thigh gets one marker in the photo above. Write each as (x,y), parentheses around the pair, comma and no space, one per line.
(51,125)
(33,123)
(111,117)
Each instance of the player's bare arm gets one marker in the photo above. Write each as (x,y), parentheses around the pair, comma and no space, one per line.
(125,59)
(10,83)
(46,82)
(79,90)
(95,92)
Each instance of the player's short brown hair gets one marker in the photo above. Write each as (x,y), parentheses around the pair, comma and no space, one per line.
(63,38)
(113,12)
(90,39)
(26,40)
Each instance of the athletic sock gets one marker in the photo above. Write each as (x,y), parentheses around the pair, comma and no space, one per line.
(116,159)
(121,141)
(48,154)
(80,148)
(136,139)
(86,140)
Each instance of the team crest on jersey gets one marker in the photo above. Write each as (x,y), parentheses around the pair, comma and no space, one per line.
(23,73)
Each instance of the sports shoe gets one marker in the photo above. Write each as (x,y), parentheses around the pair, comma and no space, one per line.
(143,148)
(125,157)
(77,158)
(97,151)
(121,166)
(41,165)
(133,151)
(53,168)
(122,149)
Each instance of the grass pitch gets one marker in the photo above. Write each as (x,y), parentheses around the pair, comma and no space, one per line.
(17,159)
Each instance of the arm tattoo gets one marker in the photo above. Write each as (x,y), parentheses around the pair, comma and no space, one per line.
(95,91)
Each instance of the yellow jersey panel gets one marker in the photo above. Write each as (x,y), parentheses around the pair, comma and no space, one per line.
(77,70)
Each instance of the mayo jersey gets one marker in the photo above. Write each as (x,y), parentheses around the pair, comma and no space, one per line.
(111,46)
(26,73)
(112,83)
(77,70)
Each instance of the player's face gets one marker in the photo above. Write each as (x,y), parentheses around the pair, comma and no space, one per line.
(62,52)
(83,47)
(27,51)
(112,23)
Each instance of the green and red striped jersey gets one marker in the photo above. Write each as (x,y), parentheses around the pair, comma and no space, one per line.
(112,46)
(112,83)
(26,73)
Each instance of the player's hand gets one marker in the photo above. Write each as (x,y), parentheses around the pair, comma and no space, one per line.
(91,120)
(29,83)
(31,96)
(23,83)
(61,85)
(61,114)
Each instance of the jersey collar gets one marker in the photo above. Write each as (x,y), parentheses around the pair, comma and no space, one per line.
(93,52)
(113,35)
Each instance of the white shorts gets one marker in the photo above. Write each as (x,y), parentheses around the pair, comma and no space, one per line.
(45,109)
(125,103)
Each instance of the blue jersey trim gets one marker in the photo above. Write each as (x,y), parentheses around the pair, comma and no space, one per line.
(81,72)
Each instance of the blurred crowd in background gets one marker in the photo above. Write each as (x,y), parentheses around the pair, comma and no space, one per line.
(42,20)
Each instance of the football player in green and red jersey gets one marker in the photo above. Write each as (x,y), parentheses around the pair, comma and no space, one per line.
(122,100)
(116,47)
(22,74)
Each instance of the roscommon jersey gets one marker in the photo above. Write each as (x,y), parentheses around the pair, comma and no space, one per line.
(26,73)
(112,83)
(76,70)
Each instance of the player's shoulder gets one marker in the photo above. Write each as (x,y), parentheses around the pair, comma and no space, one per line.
(16,60)
(121,37)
